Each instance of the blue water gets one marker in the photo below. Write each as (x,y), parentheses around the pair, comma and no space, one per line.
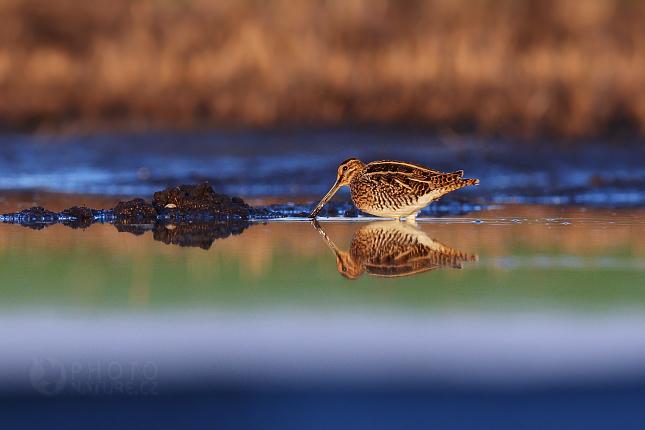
(261,331)
(297,164)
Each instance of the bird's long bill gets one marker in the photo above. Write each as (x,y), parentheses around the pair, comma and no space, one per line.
(320,231)
(325,199)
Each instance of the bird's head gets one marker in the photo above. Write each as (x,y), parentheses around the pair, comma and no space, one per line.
(346,172)
(347,266)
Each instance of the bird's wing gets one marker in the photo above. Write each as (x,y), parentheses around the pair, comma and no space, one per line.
(403,174)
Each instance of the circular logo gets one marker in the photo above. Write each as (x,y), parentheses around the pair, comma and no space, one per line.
(47,376)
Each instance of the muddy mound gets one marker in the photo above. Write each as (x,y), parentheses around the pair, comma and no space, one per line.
(36,217)
(137,208)
(186,202)
(199,201)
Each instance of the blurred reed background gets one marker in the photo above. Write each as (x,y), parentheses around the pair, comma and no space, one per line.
(523,68)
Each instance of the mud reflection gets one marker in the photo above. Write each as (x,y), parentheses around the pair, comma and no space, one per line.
(192,232)
(201,235)
(392,249)
(186,233)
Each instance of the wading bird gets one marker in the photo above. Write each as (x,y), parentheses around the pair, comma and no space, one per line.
(393,189)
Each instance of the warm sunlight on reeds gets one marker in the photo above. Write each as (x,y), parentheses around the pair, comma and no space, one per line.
(525,68)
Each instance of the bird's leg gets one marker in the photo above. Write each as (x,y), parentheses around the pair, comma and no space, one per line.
(412,221)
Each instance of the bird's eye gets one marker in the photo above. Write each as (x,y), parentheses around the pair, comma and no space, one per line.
(344,168)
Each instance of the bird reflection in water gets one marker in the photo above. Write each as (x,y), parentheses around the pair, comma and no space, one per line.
(391,249)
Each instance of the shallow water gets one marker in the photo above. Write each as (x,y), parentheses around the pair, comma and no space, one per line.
(521,298)
(515,296)
(522,257)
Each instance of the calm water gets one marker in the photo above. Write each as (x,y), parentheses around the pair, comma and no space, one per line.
(513,258)
(522,313)
(546,296)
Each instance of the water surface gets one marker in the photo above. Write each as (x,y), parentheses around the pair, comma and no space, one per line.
(528,257)
(565,283)
(526,299)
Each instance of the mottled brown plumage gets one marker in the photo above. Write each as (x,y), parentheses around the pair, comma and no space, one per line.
(392,249)
(393,189)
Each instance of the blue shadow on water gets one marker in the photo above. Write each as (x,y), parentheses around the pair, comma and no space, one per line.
(576,408)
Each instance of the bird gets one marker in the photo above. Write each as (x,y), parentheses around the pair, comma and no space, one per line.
(390,249)
(393,189)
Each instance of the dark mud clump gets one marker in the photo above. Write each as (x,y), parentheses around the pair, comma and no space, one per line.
(36,217)
(78,217)
(186,202)
(200,201)
(352,213)
(79,213)
(137,209)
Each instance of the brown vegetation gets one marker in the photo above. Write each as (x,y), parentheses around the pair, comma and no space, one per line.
(572,68)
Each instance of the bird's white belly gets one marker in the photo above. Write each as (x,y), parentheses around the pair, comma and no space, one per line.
(405,211)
